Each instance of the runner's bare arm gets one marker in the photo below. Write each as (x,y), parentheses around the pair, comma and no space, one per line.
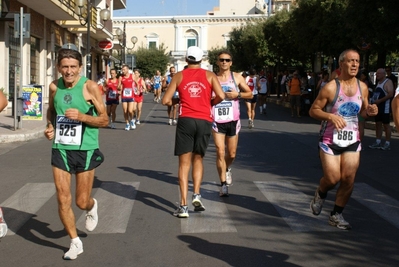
(3,101)
(244,88)
(216,87)
(367,109)
(49,131)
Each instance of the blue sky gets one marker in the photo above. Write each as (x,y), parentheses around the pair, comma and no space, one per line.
(166,7)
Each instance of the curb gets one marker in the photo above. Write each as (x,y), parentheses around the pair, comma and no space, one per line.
(22,137)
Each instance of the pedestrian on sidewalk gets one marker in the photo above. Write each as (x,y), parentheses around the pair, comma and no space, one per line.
(3,224)
(75,112)
(337,106)
(193,131)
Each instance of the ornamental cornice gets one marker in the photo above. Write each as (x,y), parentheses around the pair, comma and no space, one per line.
(186,19)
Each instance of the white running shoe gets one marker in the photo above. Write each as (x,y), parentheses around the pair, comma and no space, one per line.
(250,124)
(316,205)
(338,220)
(198,206)
(3,225)
(224,191)
(132,125)
(74,251)
(174,122)
(127,128)
(229,177)
(113,126)
(181,212)
(170,122)
(138,122)
(92,217)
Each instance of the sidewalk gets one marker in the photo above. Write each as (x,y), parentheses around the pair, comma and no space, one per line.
(34,129)
(31,129)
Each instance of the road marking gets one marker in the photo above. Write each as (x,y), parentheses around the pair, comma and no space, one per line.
(215,219)
(385,206)
(115,204)
(24,203)
(293,206)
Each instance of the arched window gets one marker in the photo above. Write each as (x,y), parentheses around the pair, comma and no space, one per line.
(191,37)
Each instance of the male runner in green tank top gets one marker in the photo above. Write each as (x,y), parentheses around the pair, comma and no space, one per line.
(75,112)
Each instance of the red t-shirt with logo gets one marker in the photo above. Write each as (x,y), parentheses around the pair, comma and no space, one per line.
(195,95)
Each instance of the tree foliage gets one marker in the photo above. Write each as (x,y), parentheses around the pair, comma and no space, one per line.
(249,46)
(320,26)
(148,60)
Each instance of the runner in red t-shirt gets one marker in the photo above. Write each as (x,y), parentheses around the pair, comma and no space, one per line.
(112,97)
(193,130)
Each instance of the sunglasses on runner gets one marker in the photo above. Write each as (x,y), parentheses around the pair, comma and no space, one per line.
(224,59)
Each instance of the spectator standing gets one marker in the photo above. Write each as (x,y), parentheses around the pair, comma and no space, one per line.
(382,98)
(294,85)
(283,87)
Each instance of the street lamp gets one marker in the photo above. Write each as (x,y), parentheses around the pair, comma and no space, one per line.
(121,35)
(105,15)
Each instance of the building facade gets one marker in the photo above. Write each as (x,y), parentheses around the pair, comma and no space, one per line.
(52,24)
(209,31)
(57,22)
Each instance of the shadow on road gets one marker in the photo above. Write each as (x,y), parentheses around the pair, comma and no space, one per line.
(236,255)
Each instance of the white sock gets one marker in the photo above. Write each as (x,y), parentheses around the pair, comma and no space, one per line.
(387,142)
(378,141)
(75,240)
(264,106)
(260,108)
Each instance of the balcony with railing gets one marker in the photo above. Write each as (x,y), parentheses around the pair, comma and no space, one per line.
(53,9)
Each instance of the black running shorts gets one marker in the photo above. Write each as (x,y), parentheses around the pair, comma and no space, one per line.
(192,135)
(74,161)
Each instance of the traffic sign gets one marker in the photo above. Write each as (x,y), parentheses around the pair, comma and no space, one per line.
(105,44)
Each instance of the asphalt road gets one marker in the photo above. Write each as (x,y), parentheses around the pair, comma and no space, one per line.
(266,221)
